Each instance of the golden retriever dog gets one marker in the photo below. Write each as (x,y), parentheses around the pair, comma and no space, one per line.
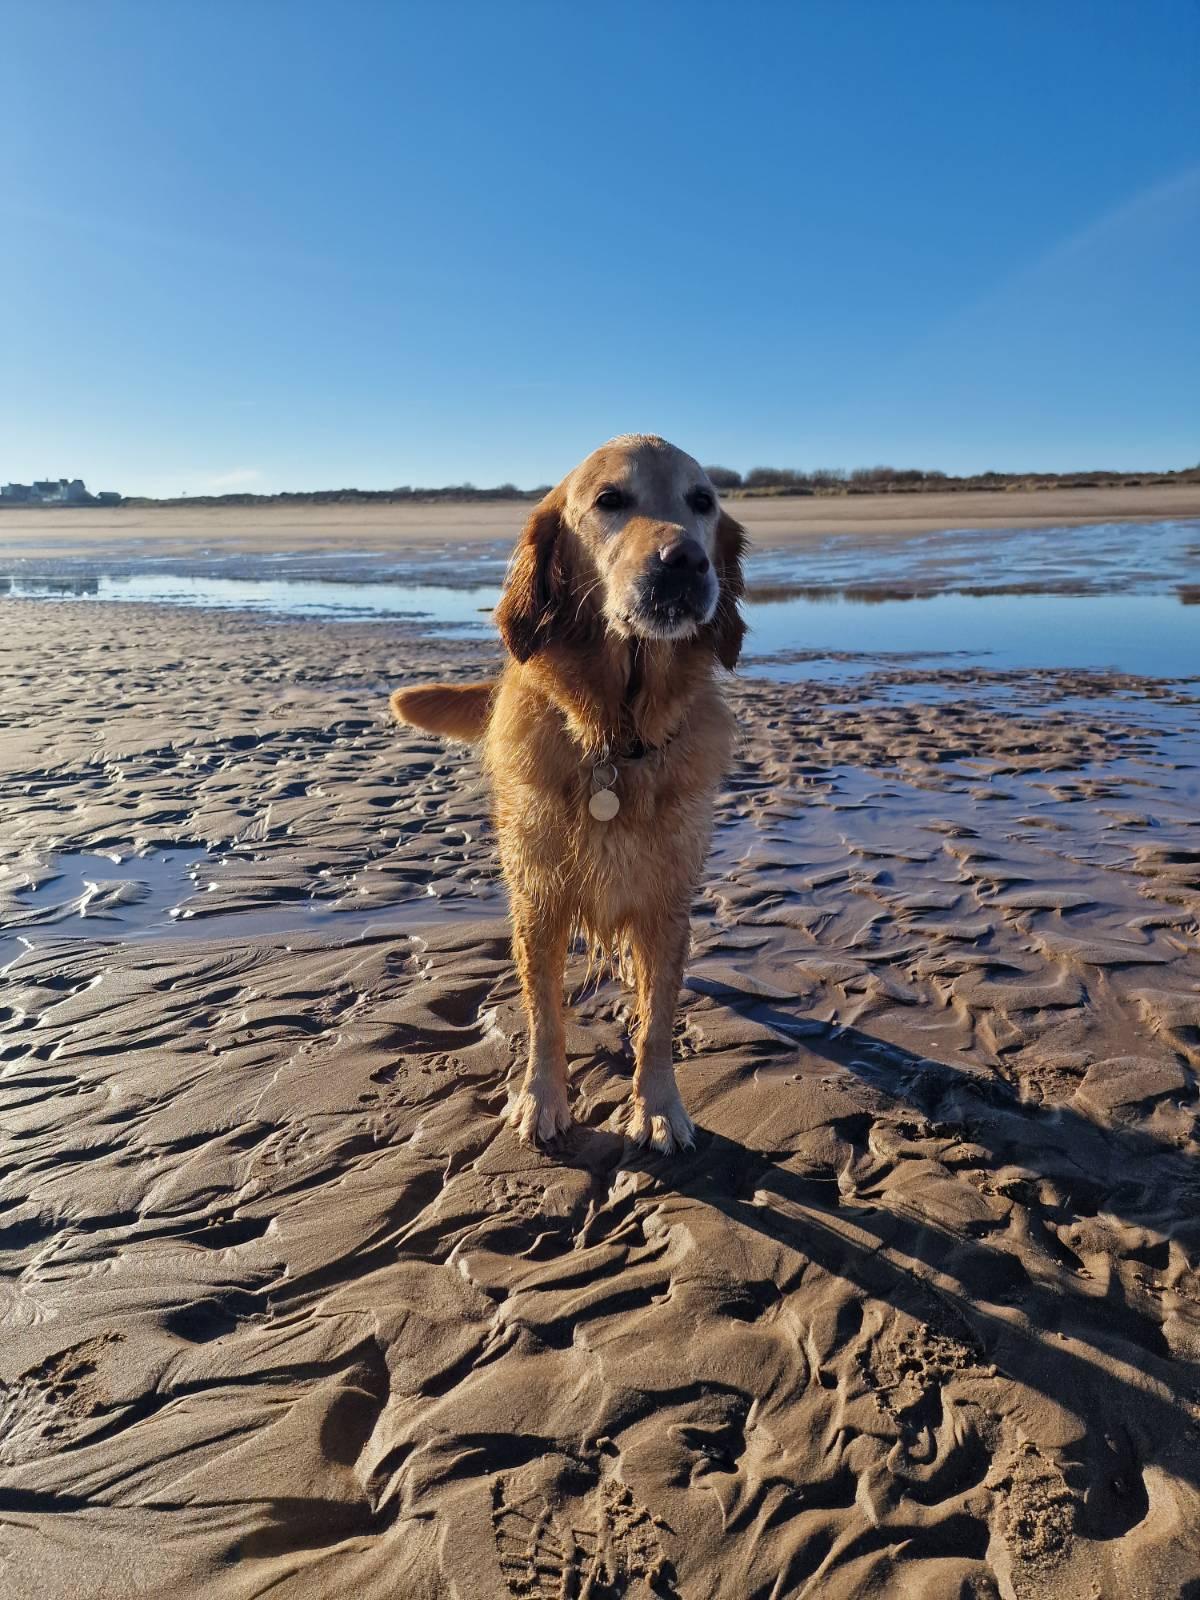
(604,740)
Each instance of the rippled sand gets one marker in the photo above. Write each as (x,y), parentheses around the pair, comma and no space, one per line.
(287,1309)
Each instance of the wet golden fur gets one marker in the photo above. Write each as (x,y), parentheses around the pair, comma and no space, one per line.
(584,673)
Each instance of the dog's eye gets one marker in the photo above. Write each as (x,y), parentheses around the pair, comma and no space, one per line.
(700,500)
(610,500)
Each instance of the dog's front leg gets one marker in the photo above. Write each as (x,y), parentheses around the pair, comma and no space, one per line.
(541,1111)
(657,1117)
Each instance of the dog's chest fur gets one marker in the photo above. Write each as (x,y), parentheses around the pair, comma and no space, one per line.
(607,874)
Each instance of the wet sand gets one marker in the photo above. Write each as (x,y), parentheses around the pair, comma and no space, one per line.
(286,1307)
(183,530)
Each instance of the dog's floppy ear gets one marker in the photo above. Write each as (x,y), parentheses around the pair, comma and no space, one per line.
(727,627)
(528,602)
(534,604)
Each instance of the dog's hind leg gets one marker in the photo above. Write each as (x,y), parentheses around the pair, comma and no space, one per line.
(657,1117)
(540,1111)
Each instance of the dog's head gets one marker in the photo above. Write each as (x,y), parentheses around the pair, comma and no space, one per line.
(633,541)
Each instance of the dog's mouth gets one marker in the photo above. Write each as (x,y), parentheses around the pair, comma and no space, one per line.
(671,607)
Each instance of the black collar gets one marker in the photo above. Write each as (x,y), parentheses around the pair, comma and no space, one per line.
(637,750)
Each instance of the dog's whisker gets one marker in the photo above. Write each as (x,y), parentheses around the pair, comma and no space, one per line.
(588,593)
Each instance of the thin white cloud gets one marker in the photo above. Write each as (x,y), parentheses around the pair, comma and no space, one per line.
(133,236)
(1169,201)
(236,478)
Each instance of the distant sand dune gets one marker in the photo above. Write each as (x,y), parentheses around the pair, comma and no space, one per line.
(778,521)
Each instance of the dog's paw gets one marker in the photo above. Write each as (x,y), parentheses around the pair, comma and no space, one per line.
(666,1130)
(541,1113)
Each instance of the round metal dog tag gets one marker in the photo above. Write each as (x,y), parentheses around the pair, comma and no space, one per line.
(604,805)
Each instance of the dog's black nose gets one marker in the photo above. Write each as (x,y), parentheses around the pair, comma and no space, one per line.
(684,556)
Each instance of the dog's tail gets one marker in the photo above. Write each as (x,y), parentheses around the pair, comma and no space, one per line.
(455,710)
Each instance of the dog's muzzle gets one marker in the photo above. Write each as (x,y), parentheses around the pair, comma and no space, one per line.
(679,590)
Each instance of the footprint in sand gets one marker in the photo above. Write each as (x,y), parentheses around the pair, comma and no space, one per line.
(54,1402)
(610,1552)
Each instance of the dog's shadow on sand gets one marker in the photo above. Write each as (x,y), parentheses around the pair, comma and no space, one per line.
(957,1278)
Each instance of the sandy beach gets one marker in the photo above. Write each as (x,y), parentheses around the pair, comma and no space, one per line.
(771,522)
(286,1307)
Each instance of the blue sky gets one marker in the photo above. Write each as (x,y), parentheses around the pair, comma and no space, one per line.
(257,244)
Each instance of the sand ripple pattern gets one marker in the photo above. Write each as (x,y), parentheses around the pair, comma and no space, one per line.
(287,1310)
